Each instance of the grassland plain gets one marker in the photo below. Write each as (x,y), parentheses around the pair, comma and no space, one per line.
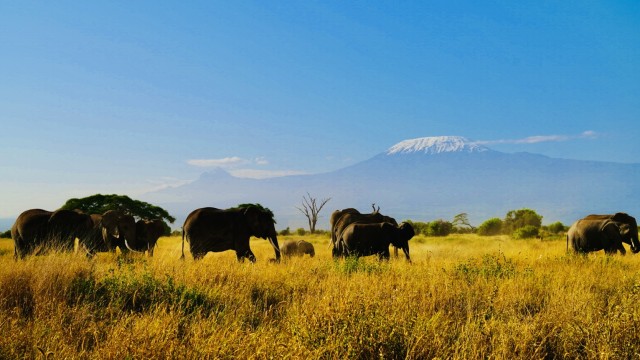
(463,297)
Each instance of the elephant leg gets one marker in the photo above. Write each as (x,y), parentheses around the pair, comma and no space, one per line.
(241,254)
(611,250)
(406,253)
(198,255)
(385,255)
(250,255)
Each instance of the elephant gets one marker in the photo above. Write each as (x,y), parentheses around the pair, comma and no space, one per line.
(112,229)
(340,219)
(29,232)
(147,234)
(604,232)
(297,248)
(35,229)
(211,229)
(360,239)
(623,220)
(67,225)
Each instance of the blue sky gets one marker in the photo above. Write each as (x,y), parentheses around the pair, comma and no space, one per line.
(126,97)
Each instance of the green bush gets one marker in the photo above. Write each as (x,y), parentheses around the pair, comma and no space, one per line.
(556,228)
(420,228)
(439,228)
(286,231)
(525,232)
(434,228)
(490,227)
(517,219)
(301,231)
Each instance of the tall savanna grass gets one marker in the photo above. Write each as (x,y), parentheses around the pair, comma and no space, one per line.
(463,296)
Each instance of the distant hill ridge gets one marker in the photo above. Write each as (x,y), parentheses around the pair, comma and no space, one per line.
(426,179)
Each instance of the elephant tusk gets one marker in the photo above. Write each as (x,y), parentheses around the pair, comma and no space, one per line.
(277,250)
(126,243)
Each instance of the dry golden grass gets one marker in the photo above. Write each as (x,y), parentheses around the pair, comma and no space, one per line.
(463,297)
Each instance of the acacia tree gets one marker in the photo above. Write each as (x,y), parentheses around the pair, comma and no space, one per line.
(311,208)
(460,220)
(99,204)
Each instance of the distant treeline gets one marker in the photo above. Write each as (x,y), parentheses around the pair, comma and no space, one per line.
(520,224)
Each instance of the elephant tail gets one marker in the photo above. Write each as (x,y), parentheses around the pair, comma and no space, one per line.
(182,257)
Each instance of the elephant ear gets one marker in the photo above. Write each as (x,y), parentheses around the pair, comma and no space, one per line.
(260,222)
(387,227)
(158,227)
(619,227)
(407,230)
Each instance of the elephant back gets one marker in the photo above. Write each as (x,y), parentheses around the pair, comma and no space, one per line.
(349,218)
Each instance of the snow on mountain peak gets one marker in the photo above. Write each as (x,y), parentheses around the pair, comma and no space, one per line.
(436,145)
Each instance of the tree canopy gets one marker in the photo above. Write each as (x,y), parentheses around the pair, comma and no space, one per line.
(517,219)
(99,204)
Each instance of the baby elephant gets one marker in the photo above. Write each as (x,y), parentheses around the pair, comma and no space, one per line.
(297,248)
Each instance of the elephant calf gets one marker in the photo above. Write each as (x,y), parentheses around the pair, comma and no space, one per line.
(374,239)
(297,248)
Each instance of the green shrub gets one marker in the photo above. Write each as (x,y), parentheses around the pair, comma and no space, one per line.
(517,219)
(556,228)
(525,232)
(439,228)
(301,231)
(420,228)
(490,227)
(285,232)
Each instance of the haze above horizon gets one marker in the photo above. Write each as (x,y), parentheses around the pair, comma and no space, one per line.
(128,97)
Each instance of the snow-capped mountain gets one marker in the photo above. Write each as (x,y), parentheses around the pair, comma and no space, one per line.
(436,145)
(426,179)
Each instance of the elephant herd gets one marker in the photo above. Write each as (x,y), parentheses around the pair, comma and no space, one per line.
(37,230)
(215,230)
(352,233)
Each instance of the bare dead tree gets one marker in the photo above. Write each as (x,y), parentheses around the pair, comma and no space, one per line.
(374,208)
(311,208)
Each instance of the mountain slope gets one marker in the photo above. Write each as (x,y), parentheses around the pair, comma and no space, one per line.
(429,178)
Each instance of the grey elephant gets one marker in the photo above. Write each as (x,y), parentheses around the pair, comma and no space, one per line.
(111,230)
(359,239)
(297,248)
(147,234)
(340,219)
(36,230)
(604,232)
(210,229)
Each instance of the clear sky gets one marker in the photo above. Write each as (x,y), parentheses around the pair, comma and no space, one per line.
(130,96)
